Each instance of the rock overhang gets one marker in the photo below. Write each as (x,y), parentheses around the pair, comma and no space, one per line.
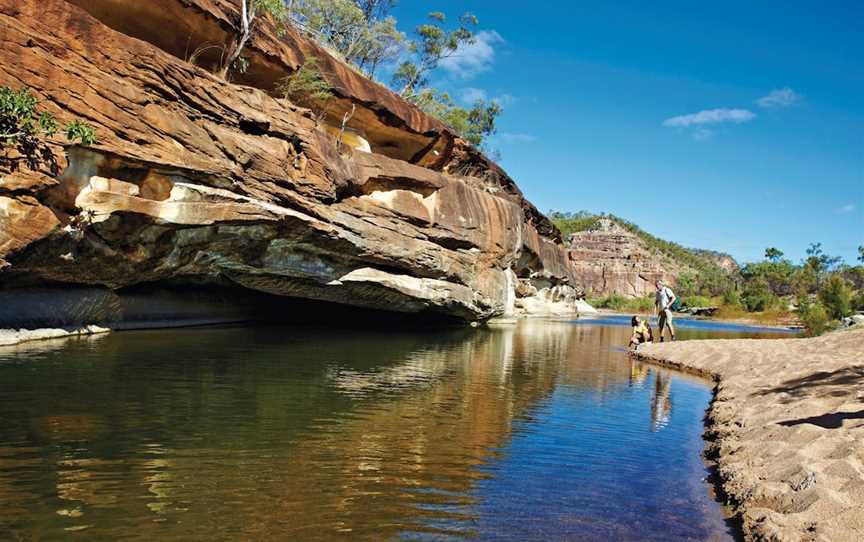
(196,177)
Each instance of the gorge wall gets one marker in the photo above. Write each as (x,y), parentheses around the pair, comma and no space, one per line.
(613,256)
(196,182)
(608,259)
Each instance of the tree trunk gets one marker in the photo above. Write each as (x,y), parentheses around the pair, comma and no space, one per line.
(247,15)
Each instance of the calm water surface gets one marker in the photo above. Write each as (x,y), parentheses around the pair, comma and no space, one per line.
(541,431)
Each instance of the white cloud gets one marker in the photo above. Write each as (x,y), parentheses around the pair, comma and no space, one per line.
(846,209)
(474,58)
(710,116)
(470,95)
(509,137)
(781,97)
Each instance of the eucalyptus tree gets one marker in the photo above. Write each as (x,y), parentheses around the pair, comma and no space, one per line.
(250,13)
(433,44)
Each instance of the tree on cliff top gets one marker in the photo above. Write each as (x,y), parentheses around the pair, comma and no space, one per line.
(773,254)
(433,45)
(360,31)
(250,11)
(364,34)
(473,124)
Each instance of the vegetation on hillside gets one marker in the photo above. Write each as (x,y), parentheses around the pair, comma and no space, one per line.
(817,291)
(364,34)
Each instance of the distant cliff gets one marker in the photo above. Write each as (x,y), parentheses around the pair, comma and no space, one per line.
(198,182)
(613,256)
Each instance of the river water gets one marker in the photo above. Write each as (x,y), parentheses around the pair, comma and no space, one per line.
(538,431)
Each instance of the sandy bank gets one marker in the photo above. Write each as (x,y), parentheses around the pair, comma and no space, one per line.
(786,429)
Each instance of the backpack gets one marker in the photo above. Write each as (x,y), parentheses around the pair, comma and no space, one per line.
(676,305)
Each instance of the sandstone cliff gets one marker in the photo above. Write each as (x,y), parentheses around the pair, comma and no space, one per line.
(198,181)
(611,259)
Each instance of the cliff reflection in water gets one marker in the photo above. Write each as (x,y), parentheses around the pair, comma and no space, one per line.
(311,434)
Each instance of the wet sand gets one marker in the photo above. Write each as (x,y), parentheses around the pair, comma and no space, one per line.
(786,430)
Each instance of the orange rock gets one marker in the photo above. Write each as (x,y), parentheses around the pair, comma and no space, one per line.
(197,178)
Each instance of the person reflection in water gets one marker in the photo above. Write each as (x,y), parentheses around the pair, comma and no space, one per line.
(661,401)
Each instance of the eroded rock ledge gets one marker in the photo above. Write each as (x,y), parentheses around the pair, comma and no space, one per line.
(786,429)
(195,180)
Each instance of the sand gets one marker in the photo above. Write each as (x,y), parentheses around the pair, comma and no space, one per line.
(786,429)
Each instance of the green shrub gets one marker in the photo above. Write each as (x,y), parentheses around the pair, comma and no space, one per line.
(24,127)
(757,295)
(732,298)
(836,295)
(642,304)
(307,87)
(813,316)
(612,301)
(858,301)
(696,301)
(80,131)
(620,303)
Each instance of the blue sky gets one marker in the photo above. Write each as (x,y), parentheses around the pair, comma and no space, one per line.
(726,125)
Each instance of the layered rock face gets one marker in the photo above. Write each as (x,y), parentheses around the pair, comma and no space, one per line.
(198,181)
(608,259)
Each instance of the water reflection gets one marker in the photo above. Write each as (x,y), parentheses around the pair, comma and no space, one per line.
(661,401)
(316,434)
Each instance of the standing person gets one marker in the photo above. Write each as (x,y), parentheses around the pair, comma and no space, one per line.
(663,301)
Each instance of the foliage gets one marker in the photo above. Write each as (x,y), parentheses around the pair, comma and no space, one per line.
(778,273)
(773,254)
(80,131)
(433,44)
(854,274)
(813,316)
(836,296)
(697,301)
(361,32)
(732,298)
(23,127)
(861,253)
(570,223)
(306,86)
(473,124)
(858,301)
(620,303)
(818,261)
(756,296)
